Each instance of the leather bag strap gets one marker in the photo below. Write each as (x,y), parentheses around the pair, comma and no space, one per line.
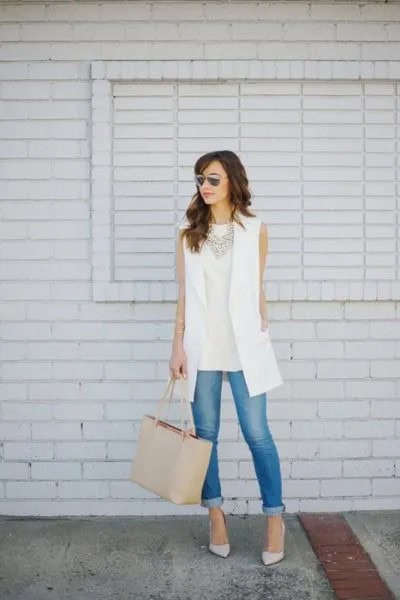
(168,394)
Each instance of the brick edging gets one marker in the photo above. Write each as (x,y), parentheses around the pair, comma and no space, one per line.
(348,567)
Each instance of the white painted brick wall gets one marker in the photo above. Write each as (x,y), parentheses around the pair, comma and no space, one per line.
(77,374)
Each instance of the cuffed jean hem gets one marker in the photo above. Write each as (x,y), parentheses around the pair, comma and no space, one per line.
(211,502)
(274,510)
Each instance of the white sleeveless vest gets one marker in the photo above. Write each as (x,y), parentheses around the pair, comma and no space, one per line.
(259,365)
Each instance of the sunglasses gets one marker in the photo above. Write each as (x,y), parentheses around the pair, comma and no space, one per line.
(212,180)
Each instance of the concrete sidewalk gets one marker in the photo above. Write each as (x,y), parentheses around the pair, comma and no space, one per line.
(166,558)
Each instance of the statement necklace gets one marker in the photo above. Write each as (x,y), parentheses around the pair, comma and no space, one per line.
(220,244)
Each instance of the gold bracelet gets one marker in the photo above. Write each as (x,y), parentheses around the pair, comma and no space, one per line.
(179,330)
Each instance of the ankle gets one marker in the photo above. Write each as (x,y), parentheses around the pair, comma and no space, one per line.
(274,519)
(215,510)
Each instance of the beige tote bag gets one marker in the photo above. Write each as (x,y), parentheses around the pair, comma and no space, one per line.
(170,461)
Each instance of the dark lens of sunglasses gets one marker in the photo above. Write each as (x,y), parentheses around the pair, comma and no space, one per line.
(200,179)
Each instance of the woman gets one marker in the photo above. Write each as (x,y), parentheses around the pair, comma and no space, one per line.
(221,332)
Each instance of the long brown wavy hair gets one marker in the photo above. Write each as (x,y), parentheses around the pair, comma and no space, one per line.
(198,213)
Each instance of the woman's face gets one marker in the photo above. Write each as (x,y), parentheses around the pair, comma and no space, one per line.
(213,194)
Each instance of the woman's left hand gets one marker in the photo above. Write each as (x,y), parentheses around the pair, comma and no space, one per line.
(264,323)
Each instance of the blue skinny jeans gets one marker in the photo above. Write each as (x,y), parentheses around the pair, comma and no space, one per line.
(251,411)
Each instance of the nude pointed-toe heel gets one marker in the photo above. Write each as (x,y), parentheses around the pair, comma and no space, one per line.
(270,558)
(218,549)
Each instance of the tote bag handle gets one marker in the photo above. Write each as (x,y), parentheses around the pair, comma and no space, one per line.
(169,391)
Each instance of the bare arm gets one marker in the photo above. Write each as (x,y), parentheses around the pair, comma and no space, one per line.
(178,362)
(263,246)
(180,307)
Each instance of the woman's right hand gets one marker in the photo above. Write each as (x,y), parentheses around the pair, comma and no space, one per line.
(178,363)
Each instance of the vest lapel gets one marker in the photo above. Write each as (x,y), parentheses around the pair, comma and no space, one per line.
(195,271)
